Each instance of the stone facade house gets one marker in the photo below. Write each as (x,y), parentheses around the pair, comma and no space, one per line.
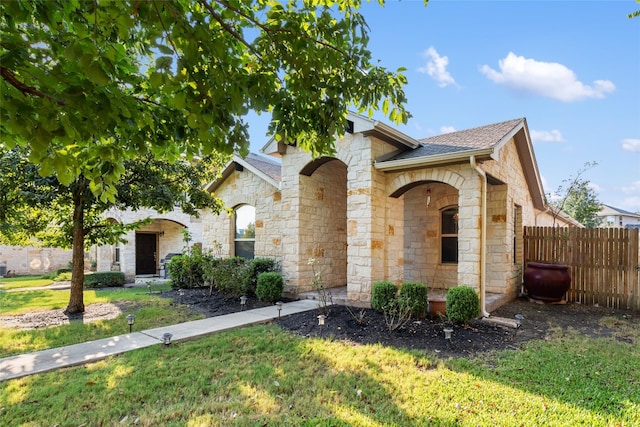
(447,210)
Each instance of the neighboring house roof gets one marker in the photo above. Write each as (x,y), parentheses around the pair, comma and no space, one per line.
(482,142)
(264,167)
(607,210)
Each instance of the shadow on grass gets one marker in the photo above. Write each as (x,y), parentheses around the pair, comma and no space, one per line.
(254,376)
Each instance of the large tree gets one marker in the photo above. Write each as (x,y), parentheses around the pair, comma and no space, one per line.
(71,215)
(88,84)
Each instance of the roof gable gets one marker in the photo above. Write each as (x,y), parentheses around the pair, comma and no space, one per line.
(263,167)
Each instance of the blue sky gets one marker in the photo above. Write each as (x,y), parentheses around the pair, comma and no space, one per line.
(572,68)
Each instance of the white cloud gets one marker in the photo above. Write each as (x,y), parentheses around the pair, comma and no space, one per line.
(631,203)
(436,68)
(633,188)
(549,79)
(447,129)
(546,136)
(631,144)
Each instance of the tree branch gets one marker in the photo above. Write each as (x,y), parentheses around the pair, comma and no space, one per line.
(155,6)
(10,78)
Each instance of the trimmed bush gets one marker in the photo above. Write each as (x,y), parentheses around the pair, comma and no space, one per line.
(256,267)
(415,294)
(463,304)
(104,279)
(269,287)
(230,276)
(186,270)
(383,295)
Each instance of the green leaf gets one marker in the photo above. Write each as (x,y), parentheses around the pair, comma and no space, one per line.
(97,75)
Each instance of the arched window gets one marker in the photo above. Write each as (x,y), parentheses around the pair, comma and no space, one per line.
(245,231)
(449,235)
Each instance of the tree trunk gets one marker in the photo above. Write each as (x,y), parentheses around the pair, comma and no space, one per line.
(76,298)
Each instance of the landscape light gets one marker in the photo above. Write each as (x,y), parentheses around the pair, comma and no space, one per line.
(130,321)
(279,306)
(243,302)
(166,338)
(447,333)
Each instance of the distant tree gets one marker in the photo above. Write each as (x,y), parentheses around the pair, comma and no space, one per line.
(578,199)
(71,215)
(583,205)
(250,231)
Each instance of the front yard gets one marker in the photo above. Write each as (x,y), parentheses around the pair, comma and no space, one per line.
(567,365)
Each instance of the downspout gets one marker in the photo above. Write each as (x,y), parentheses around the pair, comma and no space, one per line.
(483,235)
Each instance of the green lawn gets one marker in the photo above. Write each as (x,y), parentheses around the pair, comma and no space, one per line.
(24,282)
(151,311)
(262,376)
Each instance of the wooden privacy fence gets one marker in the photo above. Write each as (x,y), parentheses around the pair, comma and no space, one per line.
(603,262)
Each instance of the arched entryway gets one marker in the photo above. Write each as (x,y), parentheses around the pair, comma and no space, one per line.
(430,230)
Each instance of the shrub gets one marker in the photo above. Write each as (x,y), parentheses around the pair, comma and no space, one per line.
(269,287)
(64,276)
(384,293)
(104,279)
(186,270)
(463,304)
(416,295)
(56,273)
(230,276)
(397,312)
(256,267)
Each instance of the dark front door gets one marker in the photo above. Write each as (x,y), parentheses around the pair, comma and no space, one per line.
(146,253)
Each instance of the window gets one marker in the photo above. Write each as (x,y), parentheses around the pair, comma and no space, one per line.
(449,235)
(517,234)
(245,231)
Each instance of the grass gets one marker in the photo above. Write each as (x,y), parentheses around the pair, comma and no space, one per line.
(262,376)
(9,283)
(151,311)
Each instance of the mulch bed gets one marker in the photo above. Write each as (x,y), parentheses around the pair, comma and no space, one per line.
(367,326)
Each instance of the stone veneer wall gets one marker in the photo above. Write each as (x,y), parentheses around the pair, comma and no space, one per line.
(504,273)
(246,188)
(423,234)
(323,225)
(23,260)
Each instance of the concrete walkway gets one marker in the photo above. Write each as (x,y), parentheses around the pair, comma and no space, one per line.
(91,351)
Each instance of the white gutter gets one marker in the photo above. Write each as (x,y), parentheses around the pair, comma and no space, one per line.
(483,236)
(431,160)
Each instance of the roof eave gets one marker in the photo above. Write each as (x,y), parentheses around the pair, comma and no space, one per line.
(391,136)
(434,160)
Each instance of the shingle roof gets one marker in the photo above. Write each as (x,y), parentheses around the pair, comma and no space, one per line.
(269,167)
(471,139)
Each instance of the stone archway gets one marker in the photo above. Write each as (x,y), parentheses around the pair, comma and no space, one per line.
(323,223)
